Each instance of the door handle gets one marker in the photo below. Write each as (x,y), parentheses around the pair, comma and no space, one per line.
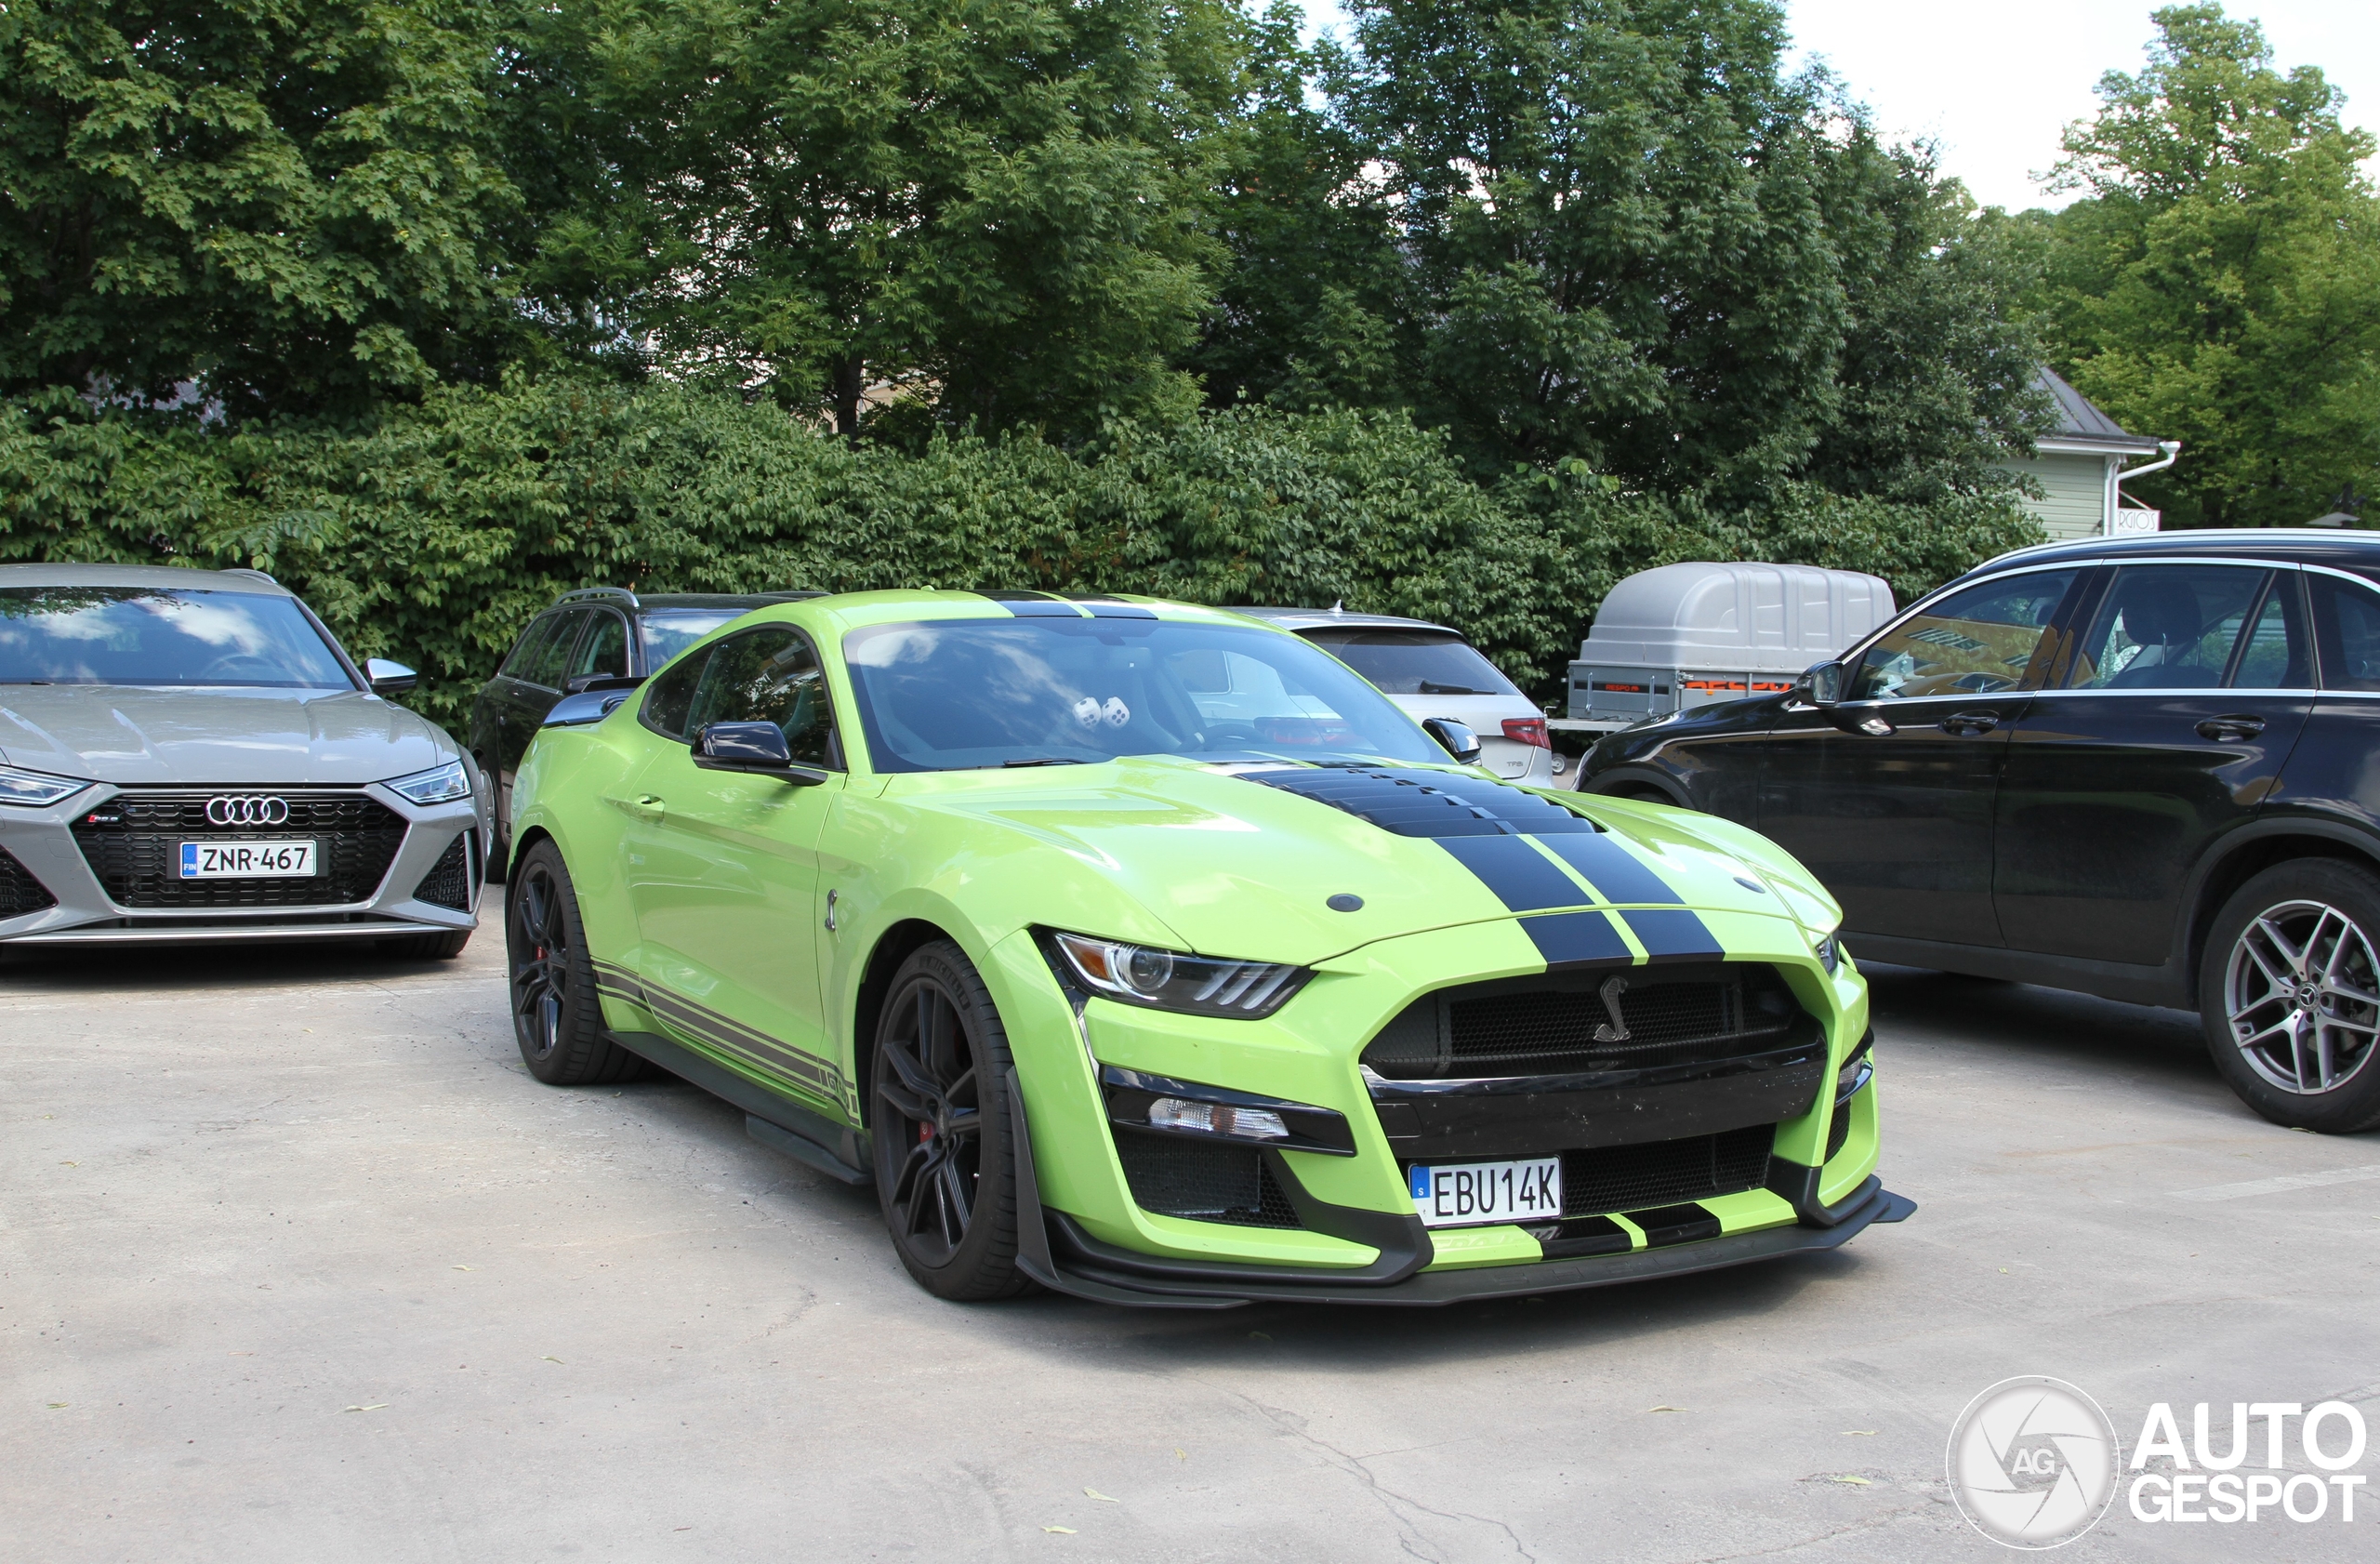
(1971,722)
(2243,726)
(644,805)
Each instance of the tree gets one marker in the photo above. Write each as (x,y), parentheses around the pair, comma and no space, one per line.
(296,202)
(996,204)
(2219,284)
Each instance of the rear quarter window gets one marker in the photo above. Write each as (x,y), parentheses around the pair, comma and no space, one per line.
(2346,631)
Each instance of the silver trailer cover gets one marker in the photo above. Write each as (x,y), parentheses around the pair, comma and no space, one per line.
(1762,618)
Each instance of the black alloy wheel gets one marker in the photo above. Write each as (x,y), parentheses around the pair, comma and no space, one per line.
(557,1018)
(2289,994)
(945,1173)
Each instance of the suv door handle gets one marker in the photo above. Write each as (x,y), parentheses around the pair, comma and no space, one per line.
(1970,722)
(2243,726)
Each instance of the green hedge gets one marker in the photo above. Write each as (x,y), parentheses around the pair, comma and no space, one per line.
(431,534)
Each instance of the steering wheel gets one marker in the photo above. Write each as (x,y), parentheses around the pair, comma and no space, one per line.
(1224,734)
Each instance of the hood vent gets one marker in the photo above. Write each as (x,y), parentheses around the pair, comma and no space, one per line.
(1411,801)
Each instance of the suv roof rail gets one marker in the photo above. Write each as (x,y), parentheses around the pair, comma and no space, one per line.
(585,592)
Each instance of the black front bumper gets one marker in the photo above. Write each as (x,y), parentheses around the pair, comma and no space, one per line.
(1055,1250)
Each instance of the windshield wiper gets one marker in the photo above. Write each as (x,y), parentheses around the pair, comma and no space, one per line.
(1423,687)
(1047,759)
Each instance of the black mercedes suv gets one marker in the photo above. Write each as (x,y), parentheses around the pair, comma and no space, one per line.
(2143,767)
(597,638)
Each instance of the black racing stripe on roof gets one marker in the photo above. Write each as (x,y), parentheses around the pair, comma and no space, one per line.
(1108,608)
(1672,933)
(1563,938)
(1036,605)
(1613,870)
(1516,872)
(1413,802)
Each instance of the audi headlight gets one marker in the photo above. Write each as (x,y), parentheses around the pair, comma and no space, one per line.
(445,783)
(34,790)
(1143,974)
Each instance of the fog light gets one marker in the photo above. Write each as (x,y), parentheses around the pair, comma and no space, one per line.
(1217,1119)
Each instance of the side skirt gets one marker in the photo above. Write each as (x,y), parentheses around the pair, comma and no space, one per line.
(776,1122)
(2108,980)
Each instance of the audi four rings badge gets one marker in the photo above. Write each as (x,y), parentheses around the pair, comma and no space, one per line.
(248,810)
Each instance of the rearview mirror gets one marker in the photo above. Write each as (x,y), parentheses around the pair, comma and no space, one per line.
(759,747)
(1455,737)
(389,679)
(1821,685)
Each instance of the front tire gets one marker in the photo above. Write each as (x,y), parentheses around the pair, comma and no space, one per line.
(557,1018)
(946,1160)
(2289,993)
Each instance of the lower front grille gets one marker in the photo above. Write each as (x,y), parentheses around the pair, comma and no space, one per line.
(133,844)
(20,892)
(1204,1182)
(1665,1172)
(448,883)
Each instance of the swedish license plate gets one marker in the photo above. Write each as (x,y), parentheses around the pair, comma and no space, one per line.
(1466,1194)
(248,860)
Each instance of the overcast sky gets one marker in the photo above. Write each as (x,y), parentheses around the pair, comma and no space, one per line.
(1996,84)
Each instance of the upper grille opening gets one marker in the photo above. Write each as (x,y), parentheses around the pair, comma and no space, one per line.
(1685,1013)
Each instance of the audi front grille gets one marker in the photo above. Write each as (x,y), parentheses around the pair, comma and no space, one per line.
(133,844)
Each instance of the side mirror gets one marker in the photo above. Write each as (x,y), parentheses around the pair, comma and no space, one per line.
(759,747)
(1454,737)
(388,678)
(588,706)
(1821,685)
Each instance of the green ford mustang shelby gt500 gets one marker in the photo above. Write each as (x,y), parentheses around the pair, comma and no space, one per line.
(1147,953)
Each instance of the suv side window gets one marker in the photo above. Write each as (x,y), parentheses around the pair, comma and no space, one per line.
(770,675)
(670,696)
(603,650)
(532,642)
(2347,627)
(1977,641)
(545,668)
(2278,655)
(2167,627)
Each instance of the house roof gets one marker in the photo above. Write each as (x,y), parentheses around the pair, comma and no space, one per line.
(2081,426)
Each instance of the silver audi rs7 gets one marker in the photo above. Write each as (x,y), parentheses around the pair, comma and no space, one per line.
(189,755)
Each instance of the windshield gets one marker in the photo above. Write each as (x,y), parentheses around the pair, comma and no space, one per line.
(158,635)
(953,694)
(668,632)
(1409,662)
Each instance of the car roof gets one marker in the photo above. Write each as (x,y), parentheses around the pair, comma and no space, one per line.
(255,581)
(2347,551)
(741,603)
(1333,619)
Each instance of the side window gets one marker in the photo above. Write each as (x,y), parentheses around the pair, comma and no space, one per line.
(545,668)
(2346,626)
(2278,655)
(2166,627)
(1976,642)
(524,652)
(603,649)
(671,695)
(769,675)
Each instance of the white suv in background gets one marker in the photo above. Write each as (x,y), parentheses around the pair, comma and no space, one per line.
(1433,671)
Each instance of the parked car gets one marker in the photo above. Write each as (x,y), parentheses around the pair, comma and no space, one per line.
(599,636)
(189,755)
(1433,671)
(1114,975)
(2138,768)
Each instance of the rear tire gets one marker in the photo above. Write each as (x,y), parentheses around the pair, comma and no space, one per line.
(557,1018)
(442,947)
(2288,995)
(946,1160)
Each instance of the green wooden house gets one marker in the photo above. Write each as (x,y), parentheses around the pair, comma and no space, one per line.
(2081,463)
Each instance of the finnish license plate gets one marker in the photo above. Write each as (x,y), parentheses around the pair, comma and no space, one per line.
(1466,1194)
(248,860)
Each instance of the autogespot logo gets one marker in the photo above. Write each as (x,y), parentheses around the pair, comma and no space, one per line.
(2032,1463)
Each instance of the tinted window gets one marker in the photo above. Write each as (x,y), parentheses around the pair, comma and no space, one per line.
(768,676)
(2166,627)
(156,635)
(1402,662)
(965,693)
(670,696)
(1971,642)
(553,656)
(668,632)
(533,641)
(2276,656)
(603,649)
(2346,621)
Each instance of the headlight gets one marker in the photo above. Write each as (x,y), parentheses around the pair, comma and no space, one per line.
(1169,980)
(448,782)
(33,789)
(1829,946)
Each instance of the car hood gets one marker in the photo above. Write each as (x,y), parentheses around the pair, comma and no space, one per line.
(1237,867)
(122,734)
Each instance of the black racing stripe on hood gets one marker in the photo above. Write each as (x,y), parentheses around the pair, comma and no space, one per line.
(1517,871)
(1672,933)
(1411,801)
(1563,938)
(1615,871)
